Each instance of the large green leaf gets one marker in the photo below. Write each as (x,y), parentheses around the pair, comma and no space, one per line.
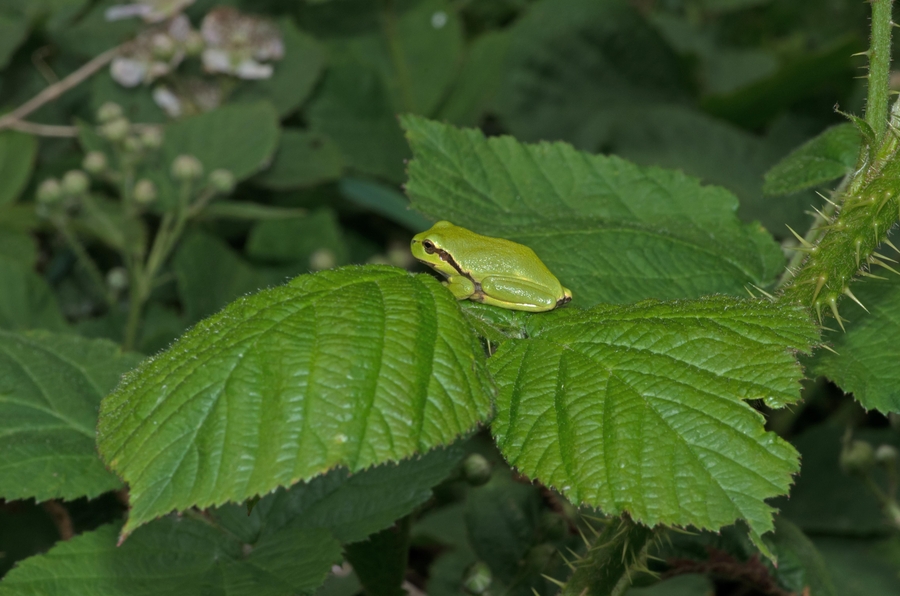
(17,153)
(13,31)
(862,567)
(355,367)
(864,359)
(618,404)
(611,231)
(26,302)
(50,390)
(573,65)
(178,557)
(303,159)
(295,239)
(824,158)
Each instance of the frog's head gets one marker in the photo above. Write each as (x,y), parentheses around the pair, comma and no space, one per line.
(429,247)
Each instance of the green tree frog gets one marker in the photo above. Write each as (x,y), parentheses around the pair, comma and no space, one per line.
(489,270)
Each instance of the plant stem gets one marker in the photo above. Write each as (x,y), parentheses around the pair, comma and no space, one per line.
(55,90)
(86,261)
(607,567)
(879,67)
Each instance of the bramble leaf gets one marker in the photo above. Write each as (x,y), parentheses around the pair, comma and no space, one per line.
(618,404)
(822,159)
(610,230)
(50,388)
(351,367)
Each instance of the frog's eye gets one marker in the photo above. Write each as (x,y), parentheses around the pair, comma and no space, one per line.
(429,247)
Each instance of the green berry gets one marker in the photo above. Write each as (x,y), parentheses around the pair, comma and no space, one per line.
(117,278)
(132,144)
(144,192)
(75,183)
(49,191)
(476,469)
(321,259)
(163,46)
(152,137)
(186,167)
(115,130)
(108,112)
(857,457)
(478,578)
(222,181)
(886,455)
(194,44)
(94,162)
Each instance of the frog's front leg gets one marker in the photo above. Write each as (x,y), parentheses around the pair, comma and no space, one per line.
(460,286)
(518,294)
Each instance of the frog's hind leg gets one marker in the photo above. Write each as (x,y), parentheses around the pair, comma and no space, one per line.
(460,286)
(517,294)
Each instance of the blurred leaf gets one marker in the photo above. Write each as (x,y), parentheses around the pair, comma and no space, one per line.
(862,567)
(415,46)
(271,378)
(800,565)
(867,354)
(14,30)
(383,200)
(826,500)
(245,210)
(614,402)
(479,80)
(303,159)
(294,240)
(210,275)
(731,5)
(830,155)
(17,155)
(51,390)
(574,64)
(681,585)
(92,34)
(352,108)
(26,302)
(179,557)
(756,104)
(380,561)
(611,231)
(25,530)
(17,246)
(295,75)
(350,506)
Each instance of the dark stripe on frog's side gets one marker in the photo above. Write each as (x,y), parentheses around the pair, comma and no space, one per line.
(448,258)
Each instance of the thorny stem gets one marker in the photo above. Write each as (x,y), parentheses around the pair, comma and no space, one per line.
(13,119)
(879,67)
(606,570)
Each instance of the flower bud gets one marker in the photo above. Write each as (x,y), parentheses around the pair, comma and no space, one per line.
(115,130)
(222,181)
(75,183)
(117,278)
(857,457)
(94,162)
(194,44)
(144,192)
(886,455)
(186,167)
(108,112)
(163,46)
(49,191)
(476,469)
(322,259)
(152,137)
(478,578)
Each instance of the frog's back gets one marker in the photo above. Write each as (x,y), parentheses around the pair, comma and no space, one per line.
(489,255)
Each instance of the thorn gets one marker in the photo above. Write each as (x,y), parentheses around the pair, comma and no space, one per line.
(828,328)
(802,240)
(887,197)
(891,244)
(875,261)
(829,349)
(567,562)
(822,215)
(752,295)
(829,201)
(872,275)
(574,554)
(866,53)
(553,581)
(764,293)
(883,258)
(820,283)
(819,312)
(855,299)
(584,538)
(862,77)
(833,304)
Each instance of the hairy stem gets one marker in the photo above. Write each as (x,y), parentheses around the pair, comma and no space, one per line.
(879,67)
(606,569)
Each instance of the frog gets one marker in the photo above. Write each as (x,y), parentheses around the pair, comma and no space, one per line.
(490,270)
